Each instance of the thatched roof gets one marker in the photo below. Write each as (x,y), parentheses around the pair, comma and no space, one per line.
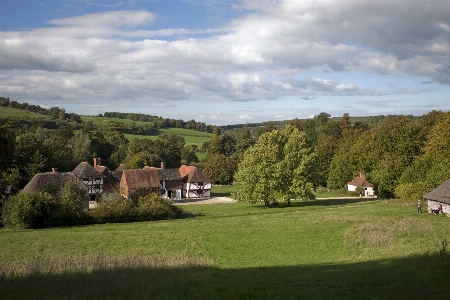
(360,181)
(143,178)
(85,170)
(441,193)
(53,182)
(192,174)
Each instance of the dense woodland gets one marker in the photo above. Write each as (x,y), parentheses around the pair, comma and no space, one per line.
(403,156)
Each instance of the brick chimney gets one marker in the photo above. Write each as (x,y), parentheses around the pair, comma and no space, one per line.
(54,170)
(96,162)
(362,174)
(163,165)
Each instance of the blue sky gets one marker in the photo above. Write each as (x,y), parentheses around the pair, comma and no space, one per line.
(230,61)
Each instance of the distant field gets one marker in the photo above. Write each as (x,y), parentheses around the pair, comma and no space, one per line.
(191,137)
(8,112)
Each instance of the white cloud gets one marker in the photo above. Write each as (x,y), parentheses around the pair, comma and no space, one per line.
(275,49)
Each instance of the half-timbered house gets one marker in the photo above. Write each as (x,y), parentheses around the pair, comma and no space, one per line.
(194,183)
(92,179)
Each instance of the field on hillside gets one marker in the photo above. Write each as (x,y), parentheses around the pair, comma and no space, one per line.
(191,137)
(9,112)
(322,249)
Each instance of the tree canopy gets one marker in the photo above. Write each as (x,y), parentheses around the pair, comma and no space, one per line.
(276,168)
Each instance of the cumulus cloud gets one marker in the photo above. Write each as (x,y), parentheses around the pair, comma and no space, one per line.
(265,53)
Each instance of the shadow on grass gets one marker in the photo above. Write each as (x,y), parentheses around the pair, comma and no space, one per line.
(408,278)
(318,202)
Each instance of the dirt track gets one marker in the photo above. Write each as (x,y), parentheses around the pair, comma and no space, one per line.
(210,200)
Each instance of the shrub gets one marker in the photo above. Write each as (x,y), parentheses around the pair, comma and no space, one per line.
(28,210)
(145,208)
(119,210)
(153,207)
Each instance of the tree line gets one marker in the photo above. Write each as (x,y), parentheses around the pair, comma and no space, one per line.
(403,156)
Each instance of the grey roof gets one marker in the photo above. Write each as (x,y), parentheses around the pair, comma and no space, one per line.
(53,183)
(169,174)
(441,193)
(85,170)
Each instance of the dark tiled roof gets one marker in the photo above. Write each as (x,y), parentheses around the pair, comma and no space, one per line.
(192,174)
(441,193)
(143,178)
(85,170)
(169,174)
(360,181)
(53,182)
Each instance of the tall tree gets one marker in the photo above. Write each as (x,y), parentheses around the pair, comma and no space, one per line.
(276,168)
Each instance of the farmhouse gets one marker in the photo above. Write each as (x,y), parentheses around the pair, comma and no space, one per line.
(362,183)
(440,195)
(170,181)
(92,179)
(194,183)
(146,179)
(54,182)
(112,178)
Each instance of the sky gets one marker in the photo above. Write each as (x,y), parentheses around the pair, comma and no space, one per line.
(226,62)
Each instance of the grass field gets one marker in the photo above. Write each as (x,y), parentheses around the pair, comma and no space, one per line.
(191,137)
(323,249)
(9,112)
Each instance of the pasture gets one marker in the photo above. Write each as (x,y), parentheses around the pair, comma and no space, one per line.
(322,249)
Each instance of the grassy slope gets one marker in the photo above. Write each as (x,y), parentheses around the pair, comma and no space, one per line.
(6,112)
(190,136)
(340,249)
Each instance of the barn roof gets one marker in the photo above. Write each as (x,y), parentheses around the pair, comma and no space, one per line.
(360,181)
(192,174)
(142,178)
(53,182)
(85,170)
(441,193)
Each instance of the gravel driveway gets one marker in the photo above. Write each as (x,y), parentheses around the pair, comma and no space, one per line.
(209,200)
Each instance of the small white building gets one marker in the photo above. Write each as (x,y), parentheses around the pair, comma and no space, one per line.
(362,183)
(194,183)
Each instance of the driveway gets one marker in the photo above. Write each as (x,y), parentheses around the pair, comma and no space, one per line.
(209,200)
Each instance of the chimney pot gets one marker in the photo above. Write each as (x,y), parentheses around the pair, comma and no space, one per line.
(54,170)
(163,165)
(95,162)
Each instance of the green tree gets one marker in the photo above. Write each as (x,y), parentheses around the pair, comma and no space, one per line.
(244,140)
(276,168)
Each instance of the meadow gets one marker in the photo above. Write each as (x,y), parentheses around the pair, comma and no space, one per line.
(322,249)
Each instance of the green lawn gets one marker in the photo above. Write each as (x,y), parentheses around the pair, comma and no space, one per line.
(322,249)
